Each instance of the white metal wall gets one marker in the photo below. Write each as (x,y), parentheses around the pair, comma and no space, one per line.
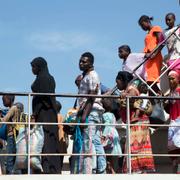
(92,177)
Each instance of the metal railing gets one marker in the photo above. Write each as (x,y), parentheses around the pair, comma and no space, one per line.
(127,124)
(157,49)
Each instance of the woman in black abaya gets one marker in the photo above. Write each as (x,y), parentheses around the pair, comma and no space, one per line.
(44,110)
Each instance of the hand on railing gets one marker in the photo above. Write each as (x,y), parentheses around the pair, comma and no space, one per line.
(149,56)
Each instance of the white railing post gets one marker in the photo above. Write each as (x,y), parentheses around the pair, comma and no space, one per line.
(128,136)
(29,120)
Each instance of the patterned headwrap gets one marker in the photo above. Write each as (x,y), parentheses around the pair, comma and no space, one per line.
(175,73)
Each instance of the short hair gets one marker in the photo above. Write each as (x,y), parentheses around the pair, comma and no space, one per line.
(124,76)
(143,88)
(10,97)
(126,48)
(89,55)
(171,14)
(144,18)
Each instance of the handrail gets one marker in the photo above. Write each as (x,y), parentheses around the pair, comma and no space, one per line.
(59,95)
(87,95)
(87,124)
(128,125)
(157,48)
(90,154)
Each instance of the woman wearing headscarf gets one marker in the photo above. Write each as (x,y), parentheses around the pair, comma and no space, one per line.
(44,110)
(139,135)
(174,112)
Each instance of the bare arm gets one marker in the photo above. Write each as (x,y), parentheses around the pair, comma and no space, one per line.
(87,107)
(10,114)
(160,39)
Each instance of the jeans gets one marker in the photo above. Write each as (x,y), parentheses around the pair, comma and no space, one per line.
(11,149)
(92,144)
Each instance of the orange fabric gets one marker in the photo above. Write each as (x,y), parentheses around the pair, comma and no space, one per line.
(153,66)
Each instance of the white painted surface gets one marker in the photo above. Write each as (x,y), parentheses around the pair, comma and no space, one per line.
(93,177)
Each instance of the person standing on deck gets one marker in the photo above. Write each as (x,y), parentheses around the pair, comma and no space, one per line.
(44,110)
(152,39)
(173,43)
(91,110)
(11,116)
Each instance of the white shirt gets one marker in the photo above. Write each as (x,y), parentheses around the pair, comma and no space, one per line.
(90,83)
(132,61)
(173,43)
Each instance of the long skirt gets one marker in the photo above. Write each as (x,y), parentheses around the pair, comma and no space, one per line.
(51,164)
(140,143)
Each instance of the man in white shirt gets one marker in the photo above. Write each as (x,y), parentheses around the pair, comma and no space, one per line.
(91,111)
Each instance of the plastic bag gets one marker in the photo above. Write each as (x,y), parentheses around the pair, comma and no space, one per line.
(36,145)
(158,115)
(174,135)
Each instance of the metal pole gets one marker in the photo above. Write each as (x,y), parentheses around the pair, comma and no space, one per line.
(157,47)
(29,120)
(128,136)
(162,44)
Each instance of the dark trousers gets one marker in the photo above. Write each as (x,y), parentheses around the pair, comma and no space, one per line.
(11,149)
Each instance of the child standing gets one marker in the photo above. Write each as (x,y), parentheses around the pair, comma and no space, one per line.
(110,138)
(11,116)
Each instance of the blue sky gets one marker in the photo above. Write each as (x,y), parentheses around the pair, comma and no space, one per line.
(61,30)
